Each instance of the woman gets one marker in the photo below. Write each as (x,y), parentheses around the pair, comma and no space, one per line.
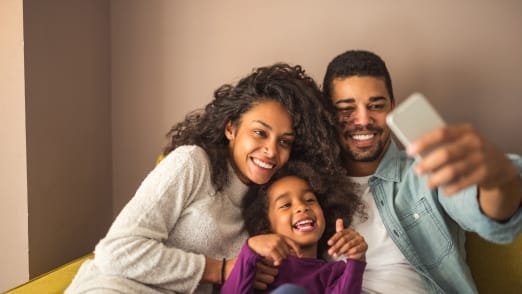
(185,219)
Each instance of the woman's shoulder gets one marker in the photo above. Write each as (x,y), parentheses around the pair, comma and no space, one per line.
(188,153)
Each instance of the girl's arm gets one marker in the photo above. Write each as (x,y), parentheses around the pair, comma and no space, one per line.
(350,282)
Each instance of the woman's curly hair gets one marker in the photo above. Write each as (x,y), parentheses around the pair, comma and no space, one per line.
(313,126)
(334,193)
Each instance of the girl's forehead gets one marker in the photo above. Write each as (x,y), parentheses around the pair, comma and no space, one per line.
(287,185)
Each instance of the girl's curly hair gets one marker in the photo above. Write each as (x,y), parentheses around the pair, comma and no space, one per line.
(313,126)
(334,193)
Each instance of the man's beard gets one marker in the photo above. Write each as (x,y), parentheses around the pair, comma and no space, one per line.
(372,154)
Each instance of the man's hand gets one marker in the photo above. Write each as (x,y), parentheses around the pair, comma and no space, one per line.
(347,242)
(459,157)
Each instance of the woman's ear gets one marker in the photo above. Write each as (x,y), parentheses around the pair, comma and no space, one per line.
(229,130)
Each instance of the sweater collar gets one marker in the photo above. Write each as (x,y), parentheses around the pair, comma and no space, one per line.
(236,189)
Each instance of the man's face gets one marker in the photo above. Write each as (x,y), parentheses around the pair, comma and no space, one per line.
(362,103)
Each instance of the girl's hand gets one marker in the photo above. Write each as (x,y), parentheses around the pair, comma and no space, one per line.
(347,242)
(273,247)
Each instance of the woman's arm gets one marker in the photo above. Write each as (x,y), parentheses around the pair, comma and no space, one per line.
(135,246)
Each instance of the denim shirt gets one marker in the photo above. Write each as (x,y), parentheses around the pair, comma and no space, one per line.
(429,227)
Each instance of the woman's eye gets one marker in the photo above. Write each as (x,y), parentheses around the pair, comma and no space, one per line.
(260,133)
(285,143)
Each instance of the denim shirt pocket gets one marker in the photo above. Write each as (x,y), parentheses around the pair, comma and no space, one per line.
(427,233)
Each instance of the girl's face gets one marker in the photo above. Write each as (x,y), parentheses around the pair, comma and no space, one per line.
(261,143)
(294,212)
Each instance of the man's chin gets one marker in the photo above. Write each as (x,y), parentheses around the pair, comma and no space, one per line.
(364,156)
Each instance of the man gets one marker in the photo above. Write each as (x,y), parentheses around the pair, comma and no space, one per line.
(418,211)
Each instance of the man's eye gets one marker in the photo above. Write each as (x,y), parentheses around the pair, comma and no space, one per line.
(376,106)
(345,112)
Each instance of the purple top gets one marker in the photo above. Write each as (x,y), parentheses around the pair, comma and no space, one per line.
(315,275)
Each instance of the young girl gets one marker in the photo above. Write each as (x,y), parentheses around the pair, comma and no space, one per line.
(287,218)
(185,218)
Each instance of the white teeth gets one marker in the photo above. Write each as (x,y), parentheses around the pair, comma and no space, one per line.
(303,222)
(263,164)
(363,137)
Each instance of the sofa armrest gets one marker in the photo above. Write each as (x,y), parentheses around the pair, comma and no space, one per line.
(54,281)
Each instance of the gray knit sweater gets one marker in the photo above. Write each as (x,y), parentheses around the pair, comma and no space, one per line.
(159,241)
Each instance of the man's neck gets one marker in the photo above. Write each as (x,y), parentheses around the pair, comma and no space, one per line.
(360,168)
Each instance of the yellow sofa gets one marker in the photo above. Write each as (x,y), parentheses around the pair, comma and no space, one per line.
(54,281)
(495,268)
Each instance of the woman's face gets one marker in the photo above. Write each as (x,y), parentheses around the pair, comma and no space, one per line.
(294,212)
(261,143)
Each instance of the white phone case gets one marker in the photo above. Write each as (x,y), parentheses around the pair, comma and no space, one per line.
(414,117)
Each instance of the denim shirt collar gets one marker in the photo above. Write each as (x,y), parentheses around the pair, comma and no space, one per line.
(389,168)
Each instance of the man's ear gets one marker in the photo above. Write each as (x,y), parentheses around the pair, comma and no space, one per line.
(229,130)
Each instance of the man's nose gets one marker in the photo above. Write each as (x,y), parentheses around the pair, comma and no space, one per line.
(361,116)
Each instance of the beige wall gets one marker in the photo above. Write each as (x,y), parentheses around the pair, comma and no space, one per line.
(14,253)
(67,62)
(169,56)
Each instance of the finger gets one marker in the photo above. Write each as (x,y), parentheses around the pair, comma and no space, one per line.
(357,248)
(340,240)
(265,274)
(294,246)
(453,151)
(458,174)
(260,285)
(339,226)
(354,245)
(437,137)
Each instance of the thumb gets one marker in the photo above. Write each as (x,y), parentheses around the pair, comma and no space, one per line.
(339,226)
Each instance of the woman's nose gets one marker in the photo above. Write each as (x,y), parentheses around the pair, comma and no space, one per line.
(270,149)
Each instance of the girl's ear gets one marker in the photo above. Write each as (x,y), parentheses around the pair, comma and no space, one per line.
(229,130)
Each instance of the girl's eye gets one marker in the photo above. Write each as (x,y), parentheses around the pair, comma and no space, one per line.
(285,205)
(310,200)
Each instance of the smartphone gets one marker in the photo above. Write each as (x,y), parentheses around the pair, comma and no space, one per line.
(414,117)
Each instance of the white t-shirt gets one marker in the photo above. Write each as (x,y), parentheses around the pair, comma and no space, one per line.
(387,270)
